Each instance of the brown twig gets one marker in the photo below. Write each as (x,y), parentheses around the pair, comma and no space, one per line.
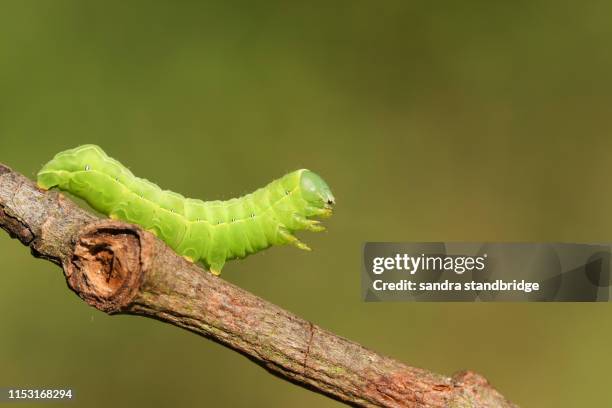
(119,268)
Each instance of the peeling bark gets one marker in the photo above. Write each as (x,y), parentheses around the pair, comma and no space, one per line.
(119,268)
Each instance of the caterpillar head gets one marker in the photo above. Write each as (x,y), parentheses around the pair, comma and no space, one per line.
(316,192)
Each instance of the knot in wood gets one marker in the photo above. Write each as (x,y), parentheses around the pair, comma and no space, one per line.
(106,266)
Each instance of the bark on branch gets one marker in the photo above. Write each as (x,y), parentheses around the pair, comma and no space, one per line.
(119,268)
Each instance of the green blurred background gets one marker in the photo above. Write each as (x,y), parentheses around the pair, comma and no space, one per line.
(471,120)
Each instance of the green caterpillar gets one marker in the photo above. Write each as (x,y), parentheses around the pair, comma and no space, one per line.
(211,232)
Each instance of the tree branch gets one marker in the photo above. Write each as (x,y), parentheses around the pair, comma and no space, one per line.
(119,268)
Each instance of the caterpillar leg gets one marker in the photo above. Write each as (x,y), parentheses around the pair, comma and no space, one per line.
(215,266)
(216,269)
(309,225)
(321,212)
(289,238)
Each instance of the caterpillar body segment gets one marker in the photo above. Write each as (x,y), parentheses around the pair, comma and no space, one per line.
(208,231)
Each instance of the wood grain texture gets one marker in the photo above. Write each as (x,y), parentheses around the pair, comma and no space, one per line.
(119,268)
